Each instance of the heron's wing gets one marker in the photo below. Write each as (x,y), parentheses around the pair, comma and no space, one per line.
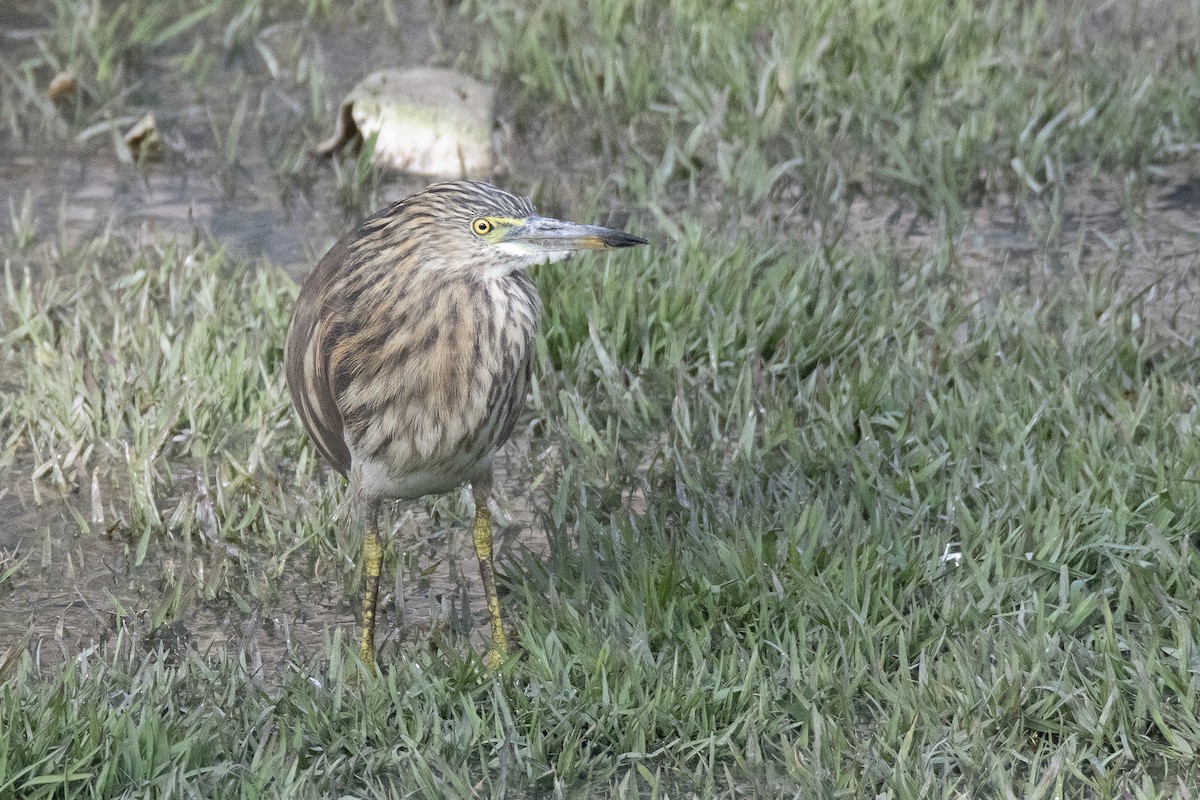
(306,357)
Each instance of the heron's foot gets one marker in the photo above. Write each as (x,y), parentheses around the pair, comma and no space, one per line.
(498,646)
(494,659)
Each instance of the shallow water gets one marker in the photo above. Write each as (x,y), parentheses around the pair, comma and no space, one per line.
(288,213)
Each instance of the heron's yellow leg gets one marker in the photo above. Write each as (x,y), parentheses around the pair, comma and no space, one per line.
(482,536)
(372,564)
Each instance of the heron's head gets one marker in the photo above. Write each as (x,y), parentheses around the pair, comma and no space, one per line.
(475,226)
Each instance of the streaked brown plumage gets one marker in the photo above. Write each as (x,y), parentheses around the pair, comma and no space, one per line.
(409,352)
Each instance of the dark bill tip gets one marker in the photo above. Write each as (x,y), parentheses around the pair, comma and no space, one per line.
(615,238)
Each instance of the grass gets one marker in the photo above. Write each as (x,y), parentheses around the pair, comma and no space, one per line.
(819,523)
(892,546)
(945,102)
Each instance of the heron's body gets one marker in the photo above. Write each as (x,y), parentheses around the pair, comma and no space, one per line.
(409,351)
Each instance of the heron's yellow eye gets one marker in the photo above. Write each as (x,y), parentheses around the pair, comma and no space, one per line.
(482,227)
